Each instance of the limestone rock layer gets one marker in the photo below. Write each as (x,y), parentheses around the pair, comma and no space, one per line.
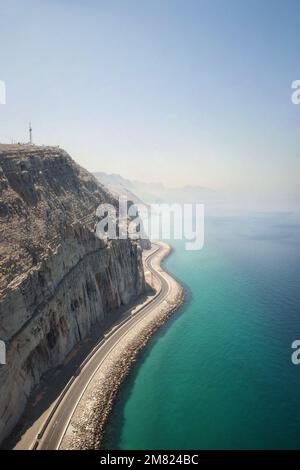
(57,279)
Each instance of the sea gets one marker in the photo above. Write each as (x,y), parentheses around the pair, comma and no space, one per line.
(219,374)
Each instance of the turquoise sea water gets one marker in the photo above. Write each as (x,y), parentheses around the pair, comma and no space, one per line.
(219,375)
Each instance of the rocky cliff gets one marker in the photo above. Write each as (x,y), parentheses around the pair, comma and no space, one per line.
(56,278)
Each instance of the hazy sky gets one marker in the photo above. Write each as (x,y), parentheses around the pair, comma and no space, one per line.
(179,91)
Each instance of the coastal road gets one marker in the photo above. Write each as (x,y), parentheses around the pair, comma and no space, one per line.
(56,424)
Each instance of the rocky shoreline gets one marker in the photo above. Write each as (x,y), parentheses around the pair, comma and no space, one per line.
(87,425)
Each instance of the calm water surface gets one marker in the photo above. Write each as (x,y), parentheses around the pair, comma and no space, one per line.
(219,374)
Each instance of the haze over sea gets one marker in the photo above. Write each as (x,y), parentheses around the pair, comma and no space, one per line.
(219,374)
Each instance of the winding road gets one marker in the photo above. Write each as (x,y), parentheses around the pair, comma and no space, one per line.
(56,424)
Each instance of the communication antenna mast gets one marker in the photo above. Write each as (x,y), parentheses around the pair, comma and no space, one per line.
(30,133)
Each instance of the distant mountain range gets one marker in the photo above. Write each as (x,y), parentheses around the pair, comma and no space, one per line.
(151,193)
(119,186)
(217,202)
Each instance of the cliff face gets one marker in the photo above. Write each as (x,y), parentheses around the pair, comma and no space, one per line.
(56,278)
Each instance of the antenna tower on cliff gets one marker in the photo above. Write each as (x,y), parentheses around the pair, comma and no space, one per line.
(30,133)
